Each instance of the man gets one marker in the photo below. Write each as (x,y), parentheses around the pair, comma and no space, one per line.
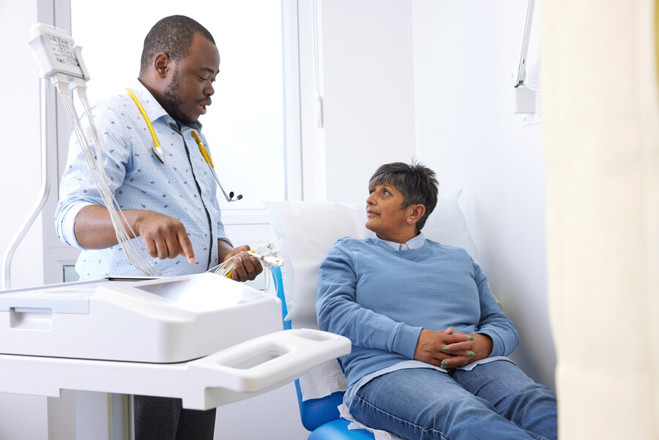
(170,202)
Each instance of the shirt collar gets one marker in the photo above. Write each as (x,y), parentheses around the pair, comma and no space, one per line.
(414,243)
(153,108)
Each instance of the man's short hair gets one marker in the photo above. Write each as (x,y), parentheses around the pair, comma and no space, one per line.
(415,181)
(173,36)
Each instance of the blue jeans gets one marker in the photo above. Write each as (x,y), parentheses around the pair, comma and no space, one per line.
(493,401)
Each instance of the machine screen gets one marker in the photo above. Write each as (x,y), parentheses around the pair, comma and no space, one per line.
(202,293)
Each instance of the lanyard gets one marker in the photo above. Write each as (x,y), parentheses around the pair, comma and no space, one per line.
(156,149)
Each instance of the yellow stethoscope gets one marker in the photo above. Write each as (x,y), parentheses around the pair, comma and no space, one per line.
(158,152)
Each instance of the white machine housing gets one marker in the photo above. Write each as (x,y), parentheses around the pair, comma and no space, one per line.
(159,320)
(56,51)
(201,338)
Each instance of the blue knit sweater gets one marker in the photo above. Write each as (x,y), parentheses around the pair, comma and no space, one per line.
(381,299)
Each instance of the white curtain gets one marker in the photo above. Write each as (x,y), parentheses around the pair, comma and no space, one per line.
(601,140)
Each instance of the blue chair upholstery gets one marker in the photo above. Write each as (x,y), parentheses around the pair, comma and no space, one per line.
(337,429)
(320,416)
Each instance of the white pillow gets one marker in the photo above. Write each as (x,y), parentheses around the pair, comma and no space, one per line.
(448,225)
(306,231)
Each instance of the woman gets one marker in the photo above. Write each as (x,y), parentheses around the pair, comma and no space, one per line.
(429,339)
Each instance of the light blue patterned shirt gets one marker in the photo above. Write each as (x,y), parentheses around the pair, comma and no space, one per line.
(181,187)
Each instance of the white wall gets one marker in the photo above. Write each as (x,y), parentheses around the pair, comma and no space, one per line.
(464,54)
(369,91)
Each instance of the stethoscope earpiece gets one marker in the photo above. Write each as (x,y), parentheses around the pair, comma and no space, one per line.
(231,199)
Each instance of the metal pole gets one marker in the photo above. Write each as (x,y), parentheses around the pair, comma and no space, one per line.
(45,189)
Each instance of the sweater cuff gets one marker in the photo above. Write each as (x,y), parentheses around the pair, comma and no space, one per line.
(498,348)
(406,339)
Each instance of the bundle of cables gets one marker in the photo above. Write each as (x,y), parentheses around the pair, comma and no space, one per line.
(133,249)
(267,256)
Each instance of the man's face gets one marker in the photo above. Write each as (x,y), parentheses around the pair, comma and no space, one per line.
(191,86)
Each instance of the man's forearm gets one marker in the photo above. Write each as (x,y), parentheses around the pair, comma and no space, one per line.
(163,236)
(94,229)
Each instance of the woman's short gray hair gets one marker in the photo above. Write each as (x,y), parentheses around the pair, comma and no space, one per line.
(415,181)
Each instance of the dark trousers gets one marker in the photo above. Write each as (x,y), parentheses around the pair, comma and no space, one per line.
(162,418)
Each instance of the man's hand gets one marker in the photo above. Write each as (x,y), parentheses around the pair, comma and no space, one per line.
(247,266)
(447,349)
(164,236)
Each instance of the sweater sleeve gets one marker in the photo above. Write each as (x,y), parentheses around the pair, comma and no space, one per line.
(493,322)
(339,312)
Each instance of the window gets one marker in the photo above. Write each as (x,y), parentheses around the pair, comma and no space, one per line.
(245,124)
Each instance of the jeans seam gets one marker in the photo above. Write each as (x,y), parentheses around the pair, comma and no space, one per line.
(533,435)
(400,420)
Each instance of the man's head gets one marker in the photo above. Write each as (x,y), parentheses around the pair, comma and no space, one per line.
(179,64)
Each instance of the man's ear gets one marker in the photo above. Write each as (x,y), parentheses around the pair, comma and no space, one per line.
(162,63)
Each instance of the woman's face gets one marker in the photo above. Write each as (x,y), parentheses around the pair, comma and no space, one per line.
(386,215)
